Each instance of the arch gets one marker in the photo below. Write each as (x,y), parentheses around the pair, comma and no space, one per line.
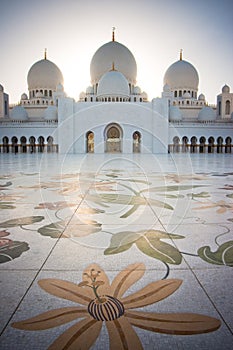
(23,142)
(90,142)
(136,142)
(219,144)
(193,146)
(41,144)
(228,145)
(5,141)
(49,144)
(202,141)
(113,138)
(185,141)
(176,144)
(227,107)
(211,144)
(15,147)
(32,142)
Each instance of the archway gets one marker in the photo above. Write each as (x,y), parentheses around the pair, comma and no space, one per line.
(211,144)
(15,147)
(41,144)
(136,142)
(202,144)
(113,137)
(90,142)
(23,141)
(32,142)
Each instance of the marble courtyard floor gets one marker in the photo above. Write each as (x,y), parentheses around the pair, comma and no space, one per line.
(116,251)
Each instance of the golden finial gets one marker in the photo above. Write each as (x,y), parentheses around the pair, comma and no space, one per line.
(113,66)
(45,54)
(113,33)
(181,51)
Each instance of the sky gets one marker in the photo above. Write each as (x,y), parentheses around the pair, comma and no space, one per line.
(153,30)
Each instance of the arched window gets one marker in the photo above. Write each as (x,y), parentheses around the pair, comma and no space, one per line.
(50,93)
(211,144)
(23,142)
(136,142)
(227,107)
(90,142)
(219,107)
(202,144)
(175,93)
(113,137)
(180,93)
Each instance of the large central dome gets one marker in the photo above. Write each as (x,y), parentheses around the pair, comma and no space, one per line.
(120,55)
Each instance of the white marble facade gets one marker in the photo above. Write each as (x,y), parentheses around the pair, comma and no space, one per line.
(114,114)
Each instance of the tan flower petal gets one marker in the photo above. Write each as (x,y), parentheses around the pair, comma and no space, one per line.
(80,336)
(152,293)
(221,210)
(182,323)
(66,290)
(105,287)
(51,319)
(122,335)
(126,278)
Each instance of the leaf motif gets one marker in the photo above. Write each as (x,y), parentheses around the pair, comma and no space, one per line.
(7,205)
(22,221)
(222,256)
(121,242)
(199,195)
(171,188)
(53,230)
(151,245)
(12,250)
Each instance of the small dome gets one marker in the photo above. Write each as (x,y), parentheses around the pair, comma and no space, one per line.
(175,113)
(113,83)
(90,90)
(181,75)
(24,96)
(201,97)
(120,55)
(137,90)
(226,89)
(186,95)
(82,95)
(60,88)
(44,74)
(166,88)
(50,113)
(39,94)
(207,114)
(1,88)
(19,113)
(144,95)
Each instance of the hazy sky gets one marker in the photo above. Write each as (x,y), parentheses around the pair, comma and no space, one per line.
(153,30)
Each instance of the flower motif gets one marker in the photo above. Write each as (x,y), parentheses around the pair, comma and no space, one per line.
(223,206)
(106,303)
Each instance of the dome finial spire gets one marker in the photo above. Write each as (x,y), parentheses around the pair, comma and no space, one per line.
(113,67)
(181,52)
(113,33)
(45,54)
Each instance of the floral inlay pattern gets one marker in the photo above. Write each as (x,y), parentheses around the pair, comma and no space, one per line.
(105,302)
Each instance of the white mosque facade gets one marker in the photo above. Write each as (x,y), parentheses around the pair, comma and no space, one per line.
(113,114)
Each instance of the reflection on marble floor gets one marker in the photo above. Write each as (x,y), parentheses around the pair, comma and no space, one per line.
(112,234)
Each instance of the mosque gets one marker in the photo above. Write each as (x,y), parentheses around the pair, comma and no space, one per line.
(114,114)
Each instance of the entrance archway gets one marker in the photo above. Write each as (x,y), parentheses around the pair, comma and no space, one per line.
(90,142)
(113,138)
(136,142)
